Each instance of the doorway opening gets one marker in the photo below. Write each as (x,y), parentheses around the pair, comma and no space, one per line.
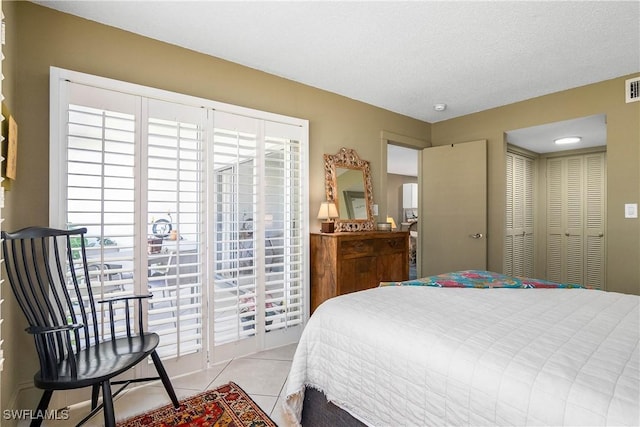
(555,207)
(402,196)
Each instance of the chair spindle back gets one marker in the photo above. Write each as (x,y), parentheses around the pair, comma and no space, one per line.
(48,273)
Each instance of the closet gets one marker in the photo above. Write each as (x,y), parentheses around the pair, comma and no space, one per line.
(575,219)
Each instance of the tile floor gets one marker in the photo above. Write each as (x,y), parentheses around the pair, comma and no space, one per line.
(261,375)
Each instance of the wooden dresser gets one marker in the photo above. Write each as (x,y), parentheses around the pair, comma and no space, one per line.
(349,262)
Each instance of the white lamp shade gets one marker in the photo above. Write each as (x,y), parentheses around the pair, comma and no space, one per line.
(327,211)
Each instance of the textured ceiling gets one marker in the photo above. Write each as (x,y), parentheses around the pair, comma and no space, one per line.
(400,56)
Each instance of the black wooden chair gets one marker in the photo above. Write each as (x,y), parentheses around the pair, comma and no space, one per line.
(50,277)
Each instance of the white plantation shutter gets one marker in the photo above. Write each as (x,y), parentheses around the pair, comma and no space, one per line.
(234,155)
(258,240)
(284,253)
(99,193)
(129,160)
(205,209)
(575,219)
(175,194)
(519,242)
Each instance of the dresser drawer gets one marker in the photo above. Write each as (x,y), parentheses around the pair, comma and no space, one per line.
(357,248)
(390,245)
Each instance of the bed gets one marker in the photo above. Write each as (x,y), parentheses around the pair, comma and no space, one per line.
(471,348)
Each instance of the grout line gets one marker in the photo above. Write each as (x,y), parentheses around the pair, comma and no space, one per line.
(283,384)
(219,373)
(252,396)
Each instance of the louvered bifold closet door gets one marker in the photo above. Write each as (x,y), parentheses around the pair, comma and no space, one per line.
(576,219)
(519,242)
(574,227)
(529,218)
(595,170)
(556,246)
(100,180)
(175,226)
(565,240)
(508,235)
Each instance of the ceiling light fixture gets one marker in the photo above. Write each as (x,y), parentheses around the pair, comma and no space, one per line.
(439,107)
(568,140)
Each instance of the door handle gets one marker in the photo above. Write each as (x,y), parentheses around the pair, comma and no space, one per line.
(476,236)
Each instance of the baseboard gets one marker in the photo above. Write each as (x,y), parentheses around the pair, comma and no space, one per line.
(27,397)
(16,403)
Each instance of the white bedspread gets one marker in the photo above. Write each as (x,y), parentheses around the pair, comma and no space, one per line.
(422,356)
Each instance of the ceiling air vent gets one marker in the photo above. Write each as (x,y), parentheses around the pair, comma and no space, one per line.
(632,89)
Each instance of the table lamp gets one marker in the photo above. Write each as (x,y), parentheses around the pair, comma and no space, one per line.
(393,223)
(327,212)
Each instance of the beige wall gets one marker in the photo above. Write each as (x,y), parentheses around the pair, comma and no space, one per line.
(38,38)
(623,165)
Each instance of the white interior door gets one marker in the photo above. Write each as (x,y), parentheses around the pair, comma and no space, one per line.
(454,207)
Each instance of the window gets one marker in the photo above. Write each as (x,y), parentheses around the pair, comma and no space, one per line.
(200,203)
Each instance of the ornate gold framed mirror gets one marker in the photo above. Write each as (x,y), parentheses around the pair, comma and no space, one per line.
(348,185)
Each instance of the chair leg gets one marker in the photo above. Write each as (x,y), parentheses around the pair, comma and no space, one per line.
(107,401)
(42,406)
(95,391)
(165,379)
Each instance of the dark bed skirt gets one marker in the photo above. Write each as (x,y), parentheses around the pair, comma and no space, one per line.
(318,412)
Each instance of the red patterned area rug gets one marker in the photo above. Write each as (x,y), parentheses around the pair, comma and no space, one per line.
(226,406)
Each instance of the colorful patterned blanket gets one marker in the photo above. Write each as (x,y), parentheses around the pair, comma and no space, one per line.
(480,279)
